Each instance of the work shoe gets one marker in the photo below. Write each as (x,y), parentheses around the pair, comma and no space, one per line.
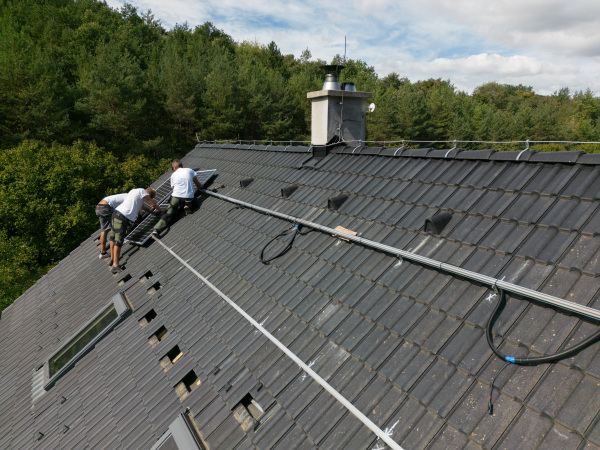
(116,269)
(103,255)
(187,210)
(155,234)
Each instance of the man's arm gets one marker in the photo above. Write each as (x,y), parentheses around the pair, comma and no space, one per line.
(153,204)
(197,183)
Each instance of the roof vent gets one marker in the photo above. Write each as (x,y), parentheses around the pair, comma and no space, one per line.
(332,82)
(336,202)
(437,222)
(348,86)
(288,190)
(246,182)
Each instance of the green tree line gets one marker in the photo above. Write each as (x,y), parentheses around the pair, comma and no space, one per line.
(95,101)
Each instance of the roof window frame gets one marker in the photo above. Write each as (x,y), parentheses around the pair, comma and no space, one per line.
(121,306)
(184,434)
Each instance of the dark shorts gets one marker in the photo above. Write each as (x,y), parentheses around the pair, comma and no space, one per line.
(104,213)
(120,227)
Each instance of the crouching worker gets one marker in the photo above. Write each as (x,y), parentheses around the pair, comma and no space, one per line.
(182,182)
(124,217)
(104,210)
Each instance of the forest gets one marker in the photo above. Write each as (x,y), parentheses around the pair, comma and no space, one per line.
(95,101)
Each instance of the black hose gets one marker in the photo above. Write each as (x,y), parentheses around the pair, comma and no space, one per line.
(296,232)
(531,361)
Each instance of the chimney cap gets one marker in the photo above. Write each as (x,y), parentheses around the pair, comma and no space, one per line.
(332,68)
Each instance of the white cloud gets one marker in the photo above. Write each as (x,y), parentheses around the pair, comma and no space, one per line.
(547,44)
(569,28)
(467,73)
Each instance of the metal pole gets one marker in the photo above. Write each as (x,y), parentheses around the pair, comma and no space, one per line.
(565,305)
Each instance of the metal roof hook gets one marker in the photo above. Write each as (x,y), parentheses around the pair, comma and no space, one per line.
(524,150)
(454,148)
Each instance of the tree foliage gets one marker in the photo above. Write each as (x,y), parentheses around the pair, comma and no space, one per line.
(94,100)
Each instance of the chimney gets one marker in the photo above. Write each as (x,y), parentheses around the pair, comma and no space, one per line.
(338,112)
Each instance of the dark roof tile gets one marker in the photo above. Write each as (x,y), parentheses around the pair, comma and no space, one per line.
(452,438)
(551,404)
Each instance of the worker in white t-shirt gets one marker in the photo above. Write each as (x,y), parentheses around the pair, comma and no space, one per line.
(124,217)
(182,182)
(104,210)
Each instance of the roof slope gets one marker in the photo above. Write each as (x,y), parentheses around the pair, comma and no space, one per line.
(404,343)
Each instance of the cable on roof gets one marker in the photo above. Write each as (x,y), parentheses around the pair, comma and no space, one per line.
(528,361)
(499,286)
(565,305)
(533,360)
(295,230)
(490,403)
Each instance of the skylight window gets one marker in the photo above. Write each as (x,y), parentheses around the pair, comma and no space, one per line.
(79,342)
(85,339)
(181,435)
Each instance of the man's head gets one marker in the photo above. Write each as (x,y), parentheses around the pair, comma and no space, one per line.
(176,164)
(151,192)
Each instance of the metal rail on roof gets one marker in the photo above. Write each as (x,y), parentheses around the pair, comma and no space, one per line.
(494,283)
(385,437)
(404,141)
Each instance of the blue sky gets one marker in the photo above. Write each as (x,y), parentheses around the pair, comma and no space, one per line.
(546,44)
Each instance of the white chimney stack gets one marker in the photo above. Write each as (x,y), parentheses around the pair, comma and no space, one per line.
(337,111)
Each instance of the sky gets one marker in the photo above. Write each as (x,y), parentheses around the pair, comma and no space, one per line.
(545,44)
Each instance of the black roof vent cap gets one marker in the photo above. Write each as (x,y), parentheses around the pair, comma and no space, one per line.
(437,222)
(246,182)
(288,190)
(337,201)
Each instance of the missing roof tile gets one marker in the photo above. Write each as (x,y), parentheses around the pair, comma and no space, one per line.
(124,280)
(160,334)
(171,358)
(145,277)
(149,317)
(155,287)
(248,413)
(187,385)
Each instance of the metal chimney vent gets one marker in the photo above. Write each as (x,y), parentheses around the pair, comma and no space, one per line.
(332,81)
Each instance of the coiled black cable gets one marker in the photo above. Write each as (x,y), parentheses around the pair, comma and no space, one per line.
(534,360)
(529,361)
(296,232)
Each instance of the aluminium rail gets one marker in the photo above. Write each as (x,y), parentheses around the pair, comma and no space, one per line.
(494,283)
(385,436)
